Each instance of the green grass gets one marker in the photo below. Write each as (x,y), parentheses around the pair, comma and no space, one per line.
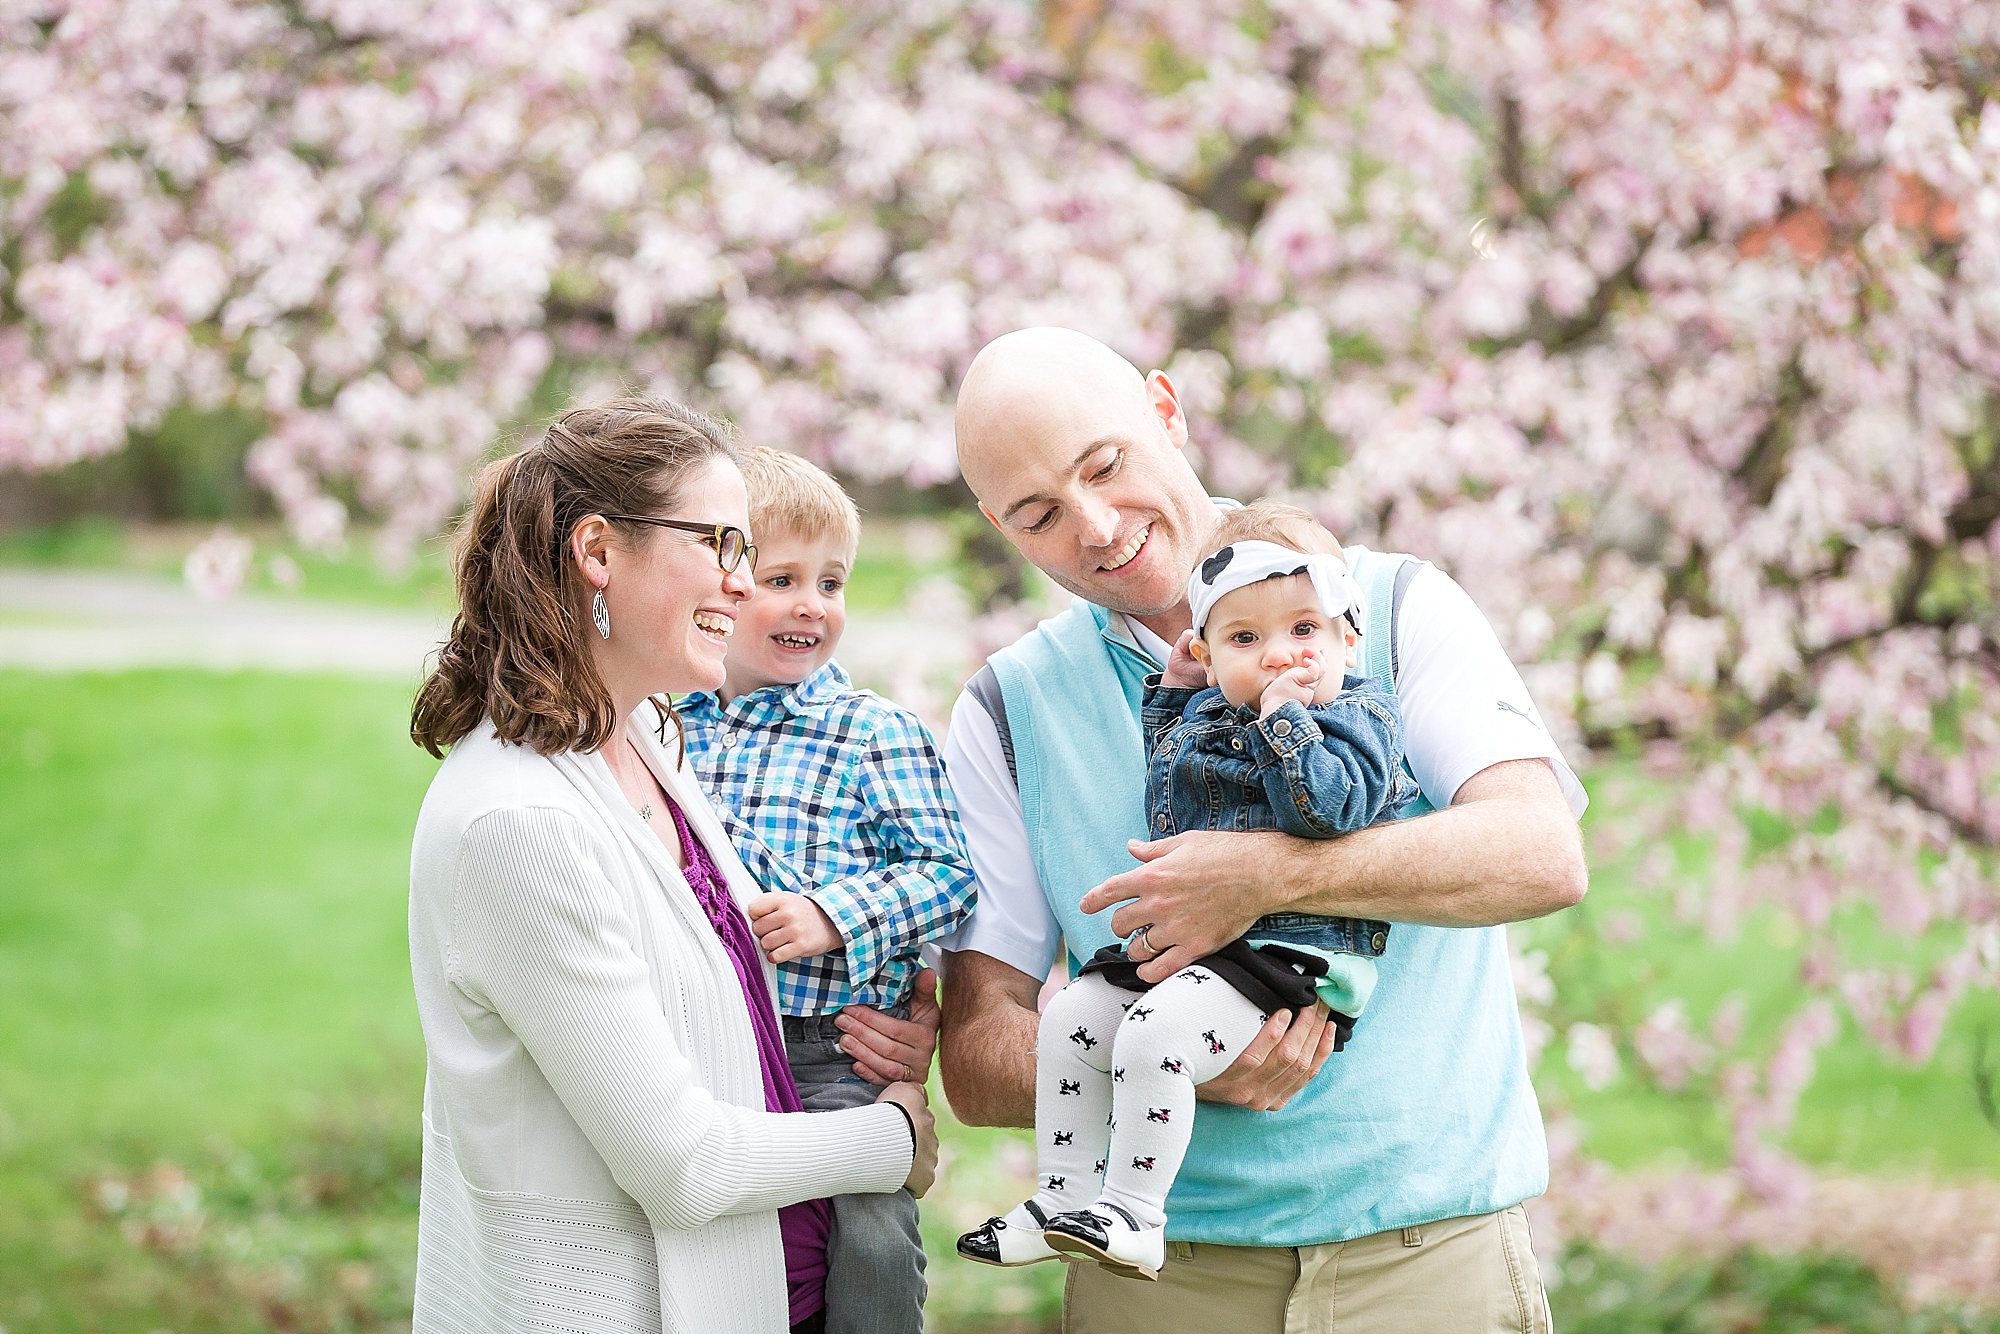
(1863,1105)
(24,619)
(203,957)
(207,857)
(202,944)
(91,543)
(1607,1294)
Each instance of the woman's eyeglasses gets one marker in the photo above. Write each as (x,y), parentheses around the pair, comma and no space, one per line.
(731,547)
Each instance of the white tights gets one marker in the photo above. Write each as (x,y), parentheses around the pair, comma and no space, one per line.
(1114,1086)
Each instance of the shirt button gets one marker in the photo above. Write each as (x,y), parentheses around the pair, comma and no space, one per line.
(1160,821)
(1283,727)
(1379,941)
(1236,743)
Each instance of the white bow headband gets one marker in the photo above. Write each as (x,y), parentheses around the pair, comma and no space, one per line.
(1241,564)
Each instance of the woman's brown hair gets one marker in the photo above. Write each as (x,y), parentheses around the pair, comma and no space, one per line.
(517,652)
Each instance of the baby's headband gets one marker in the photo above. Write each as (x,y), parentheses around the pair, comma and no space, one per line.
(1241,564)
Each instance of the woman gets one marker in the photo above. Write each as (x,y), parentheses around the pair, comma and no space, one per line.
(606,1145)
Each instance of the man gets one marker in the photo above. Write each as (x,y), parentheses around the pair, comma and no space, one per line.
(1397,1168)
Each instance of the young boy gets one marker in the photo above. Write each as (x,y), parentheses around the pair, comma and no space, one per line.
(1254,725)
(837,803)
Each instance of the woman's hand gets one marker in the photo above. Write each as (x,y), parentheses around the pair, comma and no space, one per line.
(887,1049)
(923,1163)
(791,926)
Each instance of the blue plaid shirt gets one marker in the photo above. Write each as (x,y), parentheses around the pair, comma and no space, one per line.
(838,794)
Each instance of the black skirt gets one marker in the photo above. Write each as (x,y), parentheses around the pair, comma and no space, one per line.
(1270,976)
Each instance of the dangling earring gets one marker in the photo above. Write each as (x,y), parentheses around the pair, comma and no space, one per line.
(600,615)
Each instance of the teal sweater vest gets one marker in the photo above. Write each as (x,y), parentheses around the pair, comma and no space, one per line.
(1427,1115)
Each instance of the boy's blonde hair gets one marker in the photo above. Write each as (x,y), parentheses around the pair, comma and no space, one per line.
(1274,521)
(790,495)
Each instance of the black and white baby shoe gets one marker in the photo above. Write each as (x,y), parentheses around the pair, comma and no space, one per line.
(1106,1233)
(1013,1238)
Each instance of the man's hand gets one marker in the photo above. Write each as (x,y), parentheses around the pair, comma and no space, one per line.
(1198,891)
(888,1050)
(1293,683)
(1183,668)
(1282,1059)
(791,926)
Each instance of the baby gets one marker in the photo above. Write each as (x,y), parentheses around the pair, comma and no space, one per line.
(1252,726)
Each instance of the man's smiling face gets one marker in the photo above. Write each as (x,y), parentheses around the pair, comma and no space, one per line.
(1079,461)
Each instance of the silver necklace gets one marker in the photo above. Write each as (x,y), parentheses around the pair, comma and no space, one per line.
(645,807)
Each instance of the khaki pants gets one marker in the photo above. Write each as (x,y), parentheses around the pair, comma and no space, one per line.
(1458,1276)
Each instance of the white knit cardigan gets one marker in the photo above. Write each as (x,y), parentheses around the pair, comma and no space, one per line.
(596,1154)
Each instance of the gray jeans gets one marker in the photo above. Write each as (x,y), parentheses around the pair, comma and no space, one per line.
(875,1257)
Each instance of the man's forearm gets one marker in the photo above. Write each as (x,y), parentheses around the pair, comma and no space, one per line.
(1507,849)
(986,1044)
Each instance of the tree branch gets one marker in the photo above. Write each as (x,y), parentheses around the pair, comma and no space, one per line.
(1966,830)
(1513,154)
(1559,335)
(1086,40)
(1229,193)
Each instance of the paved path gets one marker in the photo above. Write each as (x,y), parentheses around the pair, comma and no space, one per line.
(80,620)
(83,619)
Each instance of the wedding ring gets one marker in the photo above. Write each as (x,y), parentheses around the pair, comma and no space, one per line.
(1152,952)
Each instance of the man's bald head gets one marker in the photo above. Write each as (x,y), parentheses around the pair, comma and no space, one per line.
(1079,460)
(1035,381)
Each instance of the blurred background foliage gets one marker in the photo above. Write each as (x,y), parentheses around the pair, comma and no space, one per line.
(1670,328)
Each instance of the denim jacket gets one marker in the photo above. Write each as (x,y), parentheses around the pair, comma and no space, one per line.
(1316,771)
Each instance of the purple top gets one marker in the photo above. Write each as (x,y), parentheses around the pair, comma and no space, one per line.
(805,1225)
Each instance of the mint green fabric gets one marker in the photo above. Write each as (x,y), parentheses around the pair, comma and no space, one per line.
(1427,1115)
(1347,983)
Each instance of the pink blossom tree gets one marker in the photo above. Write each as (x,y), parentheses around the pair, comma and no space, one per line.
(1671,328)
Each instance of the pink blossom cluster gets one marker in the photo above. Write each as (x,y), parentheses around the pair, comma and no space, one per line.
(1670,328)
(1940,1242)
